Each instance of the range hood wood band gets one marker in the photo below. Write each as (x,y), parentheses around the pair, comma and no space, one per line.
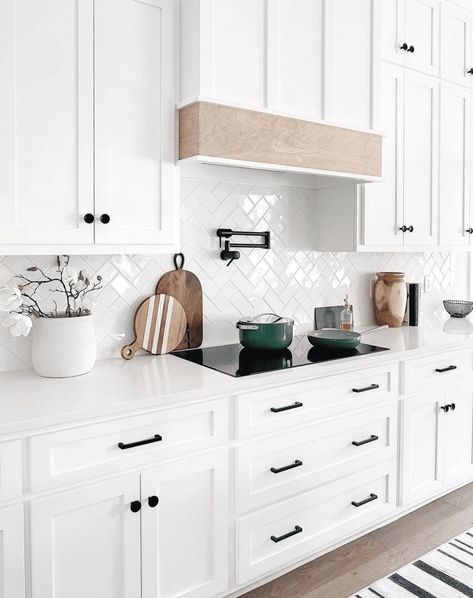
(219,131)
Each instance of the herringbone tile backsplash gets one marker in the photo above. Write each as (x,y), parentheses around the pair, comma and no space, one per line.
(289,279)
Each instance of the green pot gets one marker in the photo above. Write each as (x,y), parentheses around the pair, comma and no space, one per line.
(266,332)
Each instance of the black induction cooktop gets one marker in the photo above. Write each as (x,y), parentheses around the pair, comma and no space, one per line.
(236,361)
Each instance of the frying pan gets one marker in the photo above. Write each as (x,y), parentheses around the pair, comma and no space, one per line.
(338,339)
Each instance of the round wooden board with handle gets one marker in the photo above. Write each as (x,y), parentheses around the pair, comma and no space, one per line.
(160,325)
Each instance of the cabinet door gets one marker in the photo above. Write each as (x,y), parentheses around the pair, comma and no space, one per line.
(295,52)
(350,46)
(86,542)
(185,536)
(12,557)
(392,30)
(459,434)
(134,121)
(383,202)
(422,447)
(422,31)
(421,125)
(455,149)
(46,121)
(456,44)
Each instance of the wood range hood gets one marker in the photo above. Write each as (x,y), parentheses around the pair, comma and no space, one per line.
(220,134)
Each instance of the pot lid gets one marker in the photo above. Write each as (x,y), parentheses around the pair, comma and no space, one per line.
(267,318)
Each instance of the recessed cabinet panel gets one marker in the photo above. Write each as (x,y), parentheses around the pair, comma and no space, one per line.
(185,535)
(236,49)
(383,211)
(349,39)
(46,121)
(459,434)
(455,147)
(421,116)
(422,34)
(295,52)
(134,121)
(12,557)
(456,44)
(392,30)
(86,542)
(422,446)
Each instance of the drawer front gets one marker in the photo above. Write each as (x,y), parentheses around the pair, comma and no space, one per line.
(305,525)
(80,454)
(277,408)
(430,372)
(281,466)
(11,470)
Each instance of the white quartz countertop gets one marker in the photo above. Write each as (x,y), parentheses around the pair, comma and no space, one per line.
(117,387)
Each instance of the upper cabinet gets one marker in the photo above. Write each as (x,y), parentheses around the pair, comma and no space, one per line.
(411,34)
(87,118)
(311,58)
(457,45)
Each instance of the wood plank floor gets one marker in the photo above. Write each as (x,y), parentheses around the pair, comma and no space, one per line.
(346,570)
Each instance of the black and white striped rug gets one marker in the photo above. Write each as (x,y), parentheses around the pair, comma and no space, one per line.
(446,572)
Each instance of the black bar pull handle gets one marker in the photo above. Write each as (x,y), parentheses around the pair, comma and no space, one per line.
(123,446)
(296,463)
(297,530)
(287,407)
(366,388)
(448,369)
(372,438)
(366,501)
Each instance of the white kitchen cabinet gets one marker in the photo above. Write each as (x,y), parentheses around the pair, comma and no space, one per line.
(134,122)
(12,554)
(455,165)
(86,542)
(46,121)
(185,540)
(315,59)
(456,44)
(87,119)
(421,130)
(437,442)
(411,33)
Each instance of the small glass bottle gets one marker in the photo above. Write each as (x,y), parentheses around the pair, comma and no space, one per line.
(346,316)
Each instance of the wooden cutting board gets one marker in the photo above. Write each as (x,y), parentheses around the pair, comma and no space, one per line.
(160,325)
(186,288)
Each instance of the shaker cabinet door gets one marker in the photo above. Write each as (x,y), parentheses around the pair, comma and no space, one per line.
(136,178)
(459,434)
(12,556)
(455,148)
(421,147)
(46,121)
(456,57)
(422,34)
(184,527)
(86,542)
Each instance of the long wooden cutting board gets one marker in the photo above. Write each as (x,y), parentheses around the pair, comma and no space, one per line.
(160,325)
(186,288)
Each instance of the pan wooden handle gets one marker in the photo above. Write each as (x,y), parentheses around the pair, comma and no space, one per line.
(128,351)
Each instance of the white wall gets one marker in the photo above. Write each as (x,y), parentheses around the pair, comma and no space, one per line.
(290,279)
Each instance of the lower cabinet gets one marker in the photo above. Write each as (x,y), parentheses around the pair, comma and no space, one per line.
(160,533)
(12,557)
(437,442)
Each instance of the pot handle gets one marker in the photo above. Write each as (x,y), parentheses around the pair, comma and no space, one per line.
(245,326)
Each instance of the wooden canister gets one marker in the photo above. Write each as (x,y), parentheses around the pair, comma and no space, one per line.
(390,297)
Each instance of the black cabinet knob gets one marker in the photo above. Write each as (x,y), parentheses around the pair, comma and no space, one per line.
(404,47)
(470,72)
(445,408)
(153,501)
(470,231)
(89,218)
(104,218)
(135,506)
(452,406)
(411,49)
(410,229)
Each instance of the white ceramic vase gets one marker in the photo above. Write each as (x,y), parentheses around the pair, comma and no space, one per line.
(63,347)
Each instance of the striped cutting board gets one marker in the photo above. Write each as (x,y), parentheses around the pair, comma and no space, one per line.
(160,326)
